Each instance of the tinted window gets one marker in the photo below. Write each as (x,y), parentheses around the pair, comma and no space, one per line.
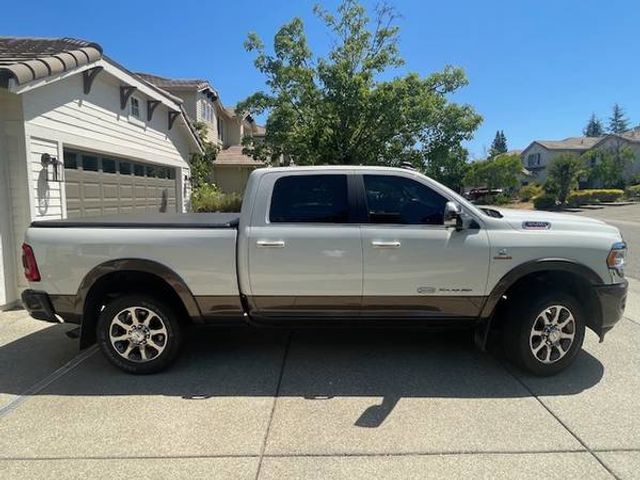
(310,198)
(70,160)
(90,163)
(401,200)
(124,167)
(138,170)
(108,165)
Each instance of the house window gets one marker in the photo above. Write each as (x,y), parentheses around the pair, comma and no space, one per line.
(220,132)
(135,107)
(533,160)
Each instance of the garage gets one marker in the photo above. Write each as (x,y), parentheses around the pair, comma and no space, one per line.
(80,136)
(105,185)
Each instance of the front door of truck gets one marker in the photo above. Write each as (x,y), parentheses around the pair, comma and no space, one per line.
(413,266)
(304,250)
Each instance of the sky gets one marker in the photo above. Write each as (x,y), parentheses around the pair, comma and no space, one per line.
(537,69)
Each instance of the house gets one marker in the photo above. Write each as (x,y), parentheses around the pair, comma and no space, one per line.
(628,140)
(225,128)
(539,153)
(80,135)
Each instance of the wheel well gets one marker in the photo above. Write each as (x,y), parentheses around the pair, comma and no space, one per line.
(116,284)
(551,280)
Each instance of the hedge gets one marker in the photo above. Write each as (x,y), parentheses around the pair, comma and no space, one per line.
(545,201)
(582,197)
(633,191)
(208,198)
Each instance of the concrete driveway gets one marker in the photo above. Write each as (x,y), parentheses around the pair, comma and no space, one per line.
(305,404)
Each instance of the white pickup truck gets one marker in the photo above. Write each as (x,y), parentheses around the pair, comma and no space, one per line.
(328,246)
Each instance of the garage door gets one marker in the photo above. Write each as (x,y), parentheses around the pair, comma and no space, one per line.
(101,185)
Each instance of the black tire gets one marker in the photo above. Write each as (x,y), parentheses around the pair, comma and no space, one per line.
(519,342)
(168,334)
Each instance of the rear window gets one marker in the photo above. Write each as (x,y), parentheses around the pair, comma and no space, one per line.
(310,199)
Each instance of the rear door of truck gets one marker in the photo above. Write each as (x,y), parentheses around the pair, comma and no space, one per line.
(304,247)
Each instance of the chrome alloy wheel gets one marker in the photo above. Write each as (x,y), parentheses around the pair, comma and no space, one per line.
(138,334)
(552,334)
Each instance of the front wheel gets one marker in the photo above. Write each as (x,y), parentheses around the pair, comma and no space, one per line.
(543,335)
(139,334)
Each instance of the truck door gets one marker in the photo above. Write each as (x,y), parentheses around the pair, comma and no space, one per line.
(414,266)
(304,249)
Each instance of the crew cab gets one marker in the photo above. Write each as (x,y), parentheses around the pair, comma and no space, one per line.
(328,246)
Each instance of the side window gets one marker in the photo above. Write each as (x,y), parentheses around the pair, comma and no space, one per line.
(310,199)
(400,200)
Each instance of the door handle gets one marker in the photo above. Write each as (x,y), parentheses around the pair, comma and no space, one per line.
(381,244)
(270,243)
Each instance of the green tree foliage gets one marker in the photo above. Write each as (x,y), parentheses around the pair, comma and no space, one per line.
(448,166)
(618,123)
(499,144)
(610,166)
(202,163)
(501,171)
(337,108)
(563,174)
(594,127)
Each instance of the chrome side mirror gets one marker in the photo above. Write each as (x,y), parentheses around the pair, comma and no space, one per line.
(452,212)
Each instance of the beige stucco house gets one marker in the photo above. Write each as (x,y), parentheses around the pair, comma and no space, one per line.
(226,128)
(539,154)
(80,135)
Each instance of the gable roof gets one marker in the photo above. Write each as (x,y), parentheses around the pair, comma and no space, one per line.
(27,59)
(233,156)
(180,84)
(570,143)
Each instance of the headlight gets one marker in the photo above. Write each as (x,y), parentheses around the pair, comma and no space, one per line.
(616,257)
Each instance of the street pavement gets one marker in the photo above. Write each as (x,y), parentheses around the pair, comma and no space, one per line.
(250,404)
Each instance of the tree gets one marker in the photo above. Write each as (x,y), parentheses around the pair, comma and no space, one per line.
(563,174)
(499,144)
(337,108)
(448,166)
(594,127)
(202,163)
(501,171)
(618,123)
(610,166)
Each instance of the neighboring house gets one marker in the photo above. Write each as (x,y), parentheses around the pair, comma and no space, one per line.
(80,135)
(225,128)
(539,154)
(630,140)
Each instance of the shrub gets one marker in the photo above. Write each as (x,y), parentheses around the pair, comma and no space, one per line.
(583,197)
(207,198)
(528,192)
(544,201)
(633,192)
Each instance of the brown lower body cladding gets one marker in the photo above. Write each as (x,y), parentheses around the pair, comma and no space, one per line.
(223,308)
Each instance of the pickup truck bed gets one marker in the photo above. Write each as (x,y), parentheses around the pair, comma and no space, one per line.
(161,220)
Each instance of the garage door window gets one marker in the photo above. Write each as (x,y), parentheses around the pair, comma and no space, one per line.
(89,163)
(108,165)
(70,160)
(124,168)
(138,170)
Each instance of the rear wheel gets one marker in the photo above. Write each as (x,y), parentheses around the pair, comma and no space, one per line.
(544,335)
(138,334)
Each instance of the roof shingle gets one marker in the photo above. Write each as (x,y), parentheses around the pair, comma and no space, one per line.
(234,156)
(28,59)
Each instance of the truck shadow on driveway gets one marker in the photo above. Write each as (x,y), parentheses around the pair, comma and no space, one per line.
(309,364)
